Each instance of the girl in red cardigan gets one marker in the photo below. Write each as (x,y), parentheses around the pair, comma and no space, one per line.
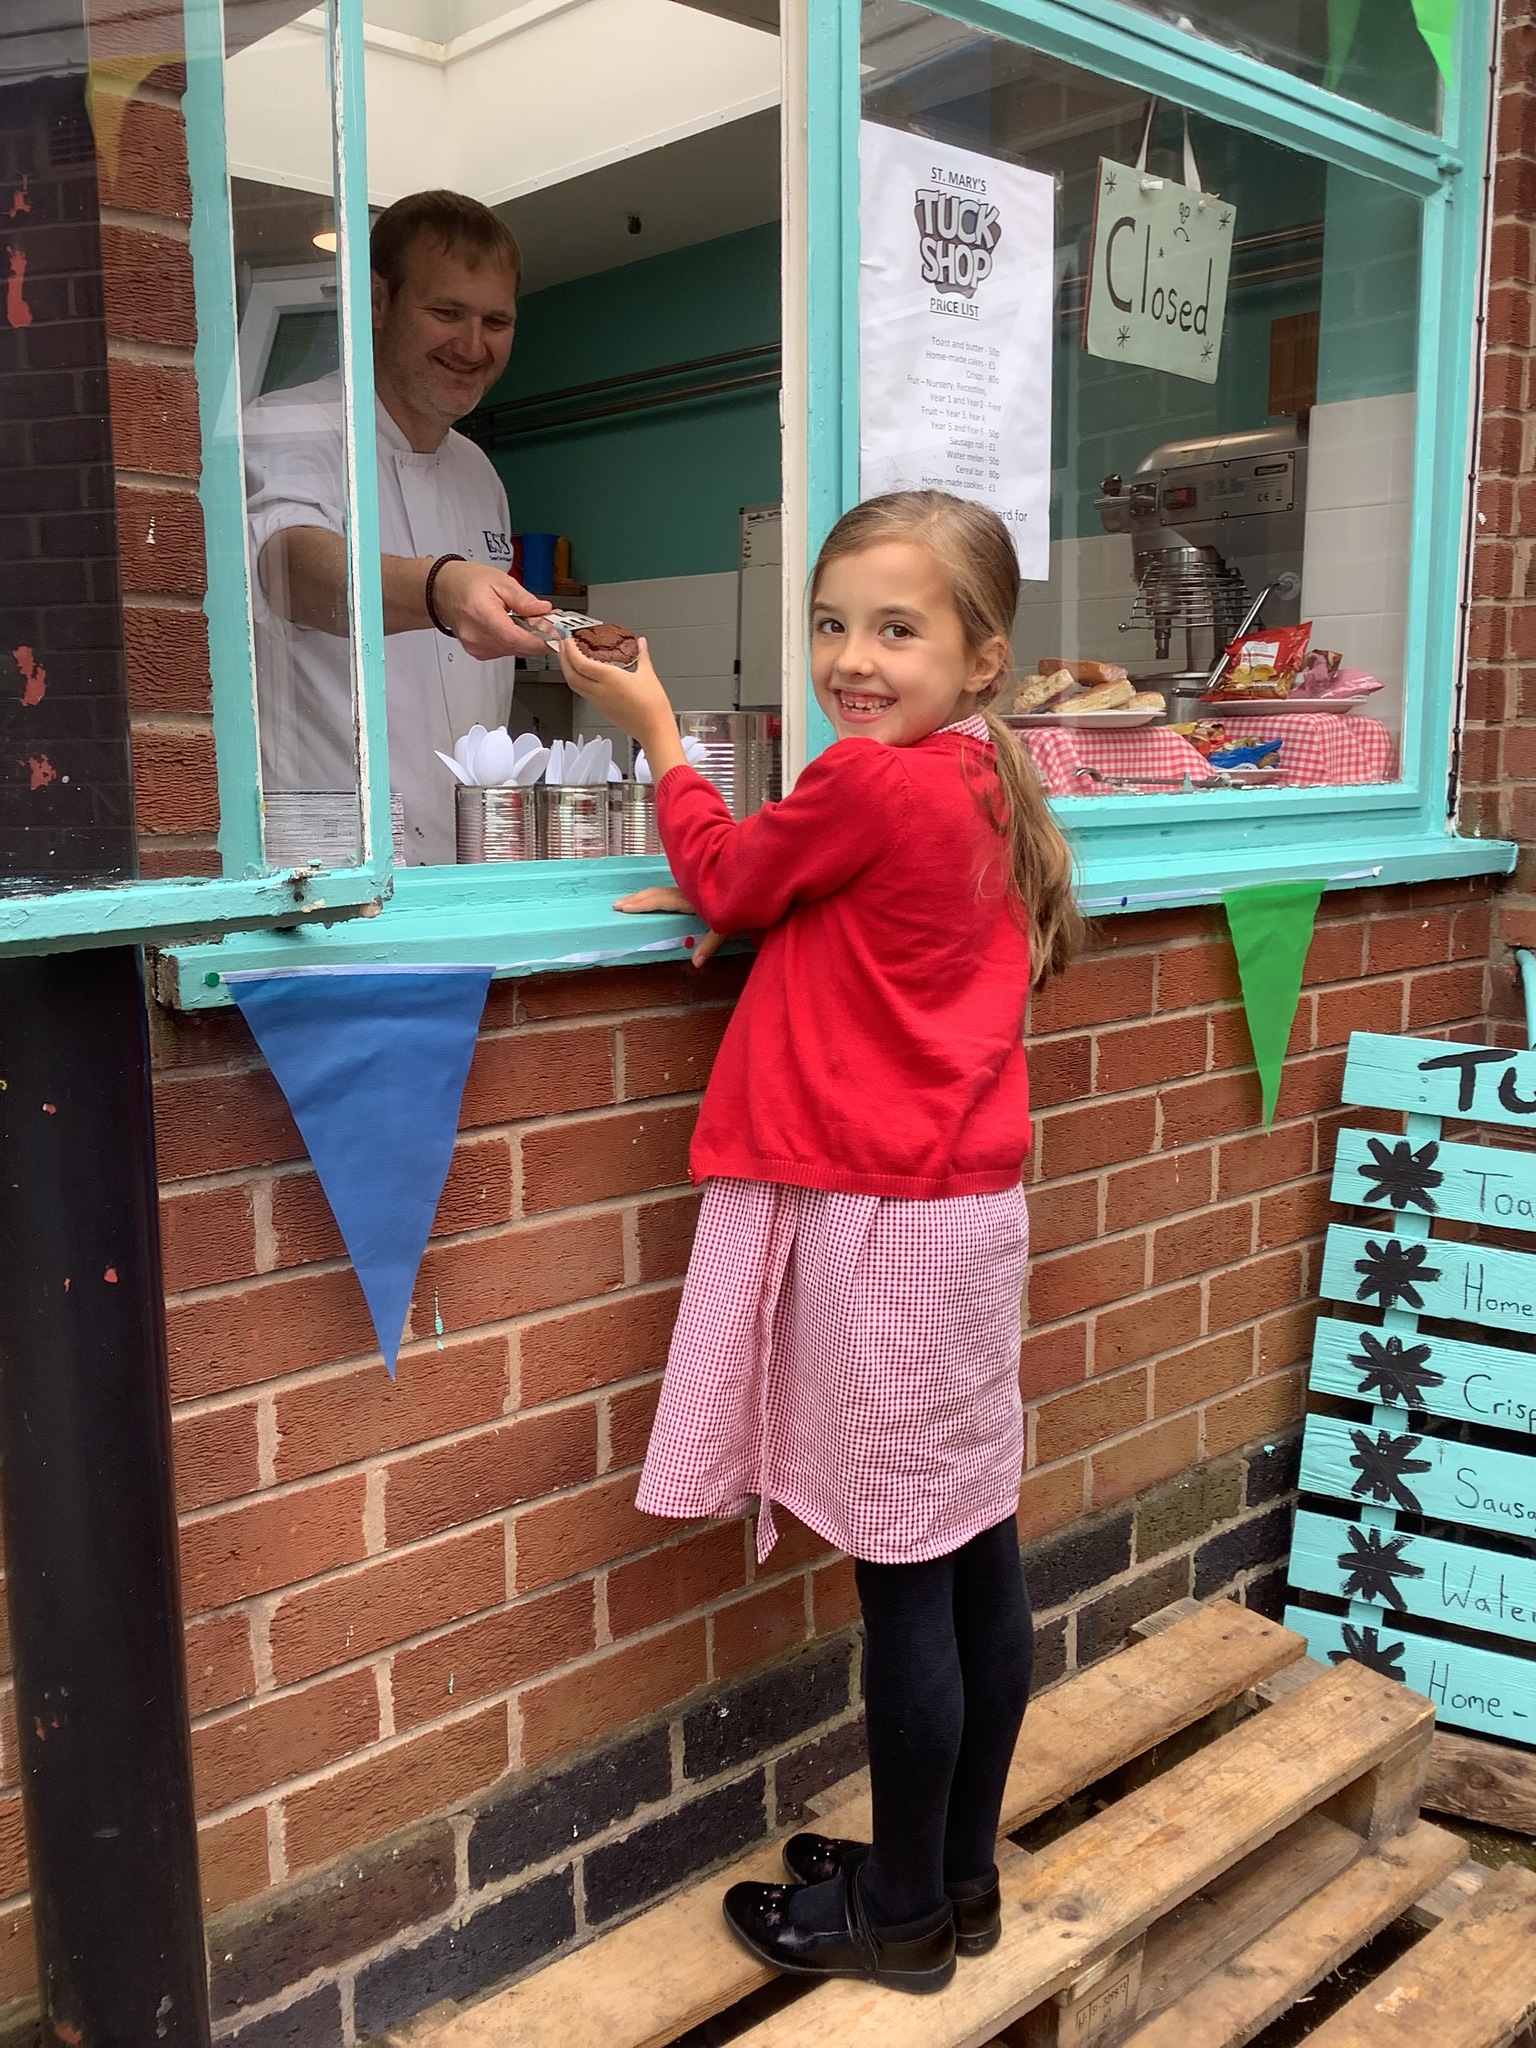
(848,1340)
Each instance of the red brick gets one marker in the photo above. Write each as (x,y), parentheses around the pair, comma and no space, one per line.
(1098,989)
(559,1538)
(671,1582)
(154,417)
(1212,1108)
(1255,1289)
(221,1342)
(1335,953)
(1190,976)
(1293,1213)
(600,1157)
(492,1653)
(615,1688)
(834,1596)
(13,1847)
(1070,1282)
(1121,1470)
(388,1600)
(1310,1085)
(1090,1414)
(1189,1377)
(517,1272)
(1264,1159)
(235,1552)
(665,1231)
(1286,1339)
(1151,1324)
(220,1667)
(167,654)
(246,1754)
(359,1414)
(215,1456)
(216,1123)
(476,1196)
(232,1858)
(1260,1410)
(671,1054)
(1197,1244)
(592,1347)
(538,1073)
(1445,995)
(1393,943)
(160,541)
(1049,1500)
(481,1475)
(147,288)
(424,1774)
(1052,1359)
(1232,1042)
(147,172)
(175,780)
(1169,1185)
(797,1546)
(1063,1213)
(1146,1054)
(1060,1070)
(602,994)
(207,1236)
(1073,1141)
(1365,1006)
(765,1624)
(630,1415)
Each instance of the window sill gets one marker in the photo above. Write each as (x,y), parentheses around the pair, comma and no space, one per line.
(551,916)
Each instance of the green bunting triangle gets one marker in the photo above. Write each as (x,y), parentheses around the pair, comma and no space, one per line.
(1437,22)
(1271,927)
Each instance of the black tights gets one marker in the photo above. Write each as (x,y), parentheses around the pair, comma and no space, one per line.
(946,1677)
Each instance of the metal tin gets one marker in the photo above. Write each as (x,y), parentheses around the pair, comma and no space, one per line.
(324,825)
(500,824)
(634,811)
(741,755)
(576,821)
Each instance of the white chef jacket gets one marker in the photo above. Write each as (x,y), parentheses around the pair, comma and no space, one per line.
(449,502)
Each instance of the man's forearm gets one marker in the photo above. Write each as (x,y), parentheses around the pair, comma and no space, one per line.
(304,575)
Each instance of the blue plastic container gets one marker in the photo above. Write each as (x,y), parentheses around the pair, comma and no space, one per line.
(538,562)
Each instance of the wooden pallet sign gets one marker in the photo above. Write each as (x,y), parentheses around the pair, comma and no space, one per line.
(1422,1505)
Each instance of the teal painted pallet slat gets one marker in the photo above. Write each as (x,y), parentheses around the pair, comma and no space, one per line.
(1469,1183)
(1462,1583)
(1469,1283)
(1471,1688)
(1437,1375)
(1485,1082)
(1423,1475)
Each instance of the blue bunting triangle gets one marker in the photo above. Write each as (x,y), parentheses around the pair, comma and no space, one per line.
(373,1062)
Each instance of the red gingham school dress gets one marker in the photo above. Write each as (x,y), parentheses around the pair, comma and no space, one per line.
(852,1357)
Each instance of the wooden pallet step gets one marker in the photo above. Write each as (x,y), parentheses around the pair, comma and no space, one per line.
(1264,1979)
(1352,1740)
(1469,1984)
(676,1965)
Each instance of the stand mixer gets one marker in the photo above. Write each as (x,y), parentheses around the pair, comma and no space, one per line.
(1211,520)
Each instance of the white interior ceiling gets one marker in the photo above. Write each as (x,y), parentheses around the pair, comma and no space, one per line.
(498,107)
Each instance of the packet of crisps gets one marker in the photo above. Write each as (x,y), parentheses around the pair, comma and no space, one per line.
(1266,664)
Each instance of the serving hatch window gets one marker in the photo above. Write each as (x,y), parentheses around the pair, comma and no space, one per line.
(1192,394)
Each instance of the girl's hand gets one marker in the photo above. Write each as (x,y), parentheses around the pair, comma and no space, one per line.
(672,899)
(633,700)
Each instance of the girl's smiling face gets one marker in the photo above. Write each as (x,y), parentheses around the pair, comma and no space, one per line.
(889,659)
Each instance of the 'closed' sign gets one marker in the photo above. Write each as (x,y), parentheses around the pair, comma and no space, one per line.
(1157,286)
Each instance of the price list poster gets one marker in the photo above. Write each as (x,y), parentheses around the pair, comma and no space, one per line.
(955,330)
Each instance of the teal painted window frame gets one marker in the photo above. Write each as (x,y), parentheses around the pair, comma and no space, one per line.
(250,894)
(1135,853)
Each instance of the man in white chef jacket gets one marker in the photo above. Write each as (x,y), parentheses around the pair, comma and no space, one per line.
(446,273)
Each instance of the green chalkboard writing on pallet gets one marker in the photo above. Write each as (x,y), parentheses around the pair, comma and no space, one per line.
(1423,1512)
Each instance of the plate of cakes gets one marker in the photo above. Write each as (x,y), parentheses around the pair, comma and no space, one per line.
(1081,696)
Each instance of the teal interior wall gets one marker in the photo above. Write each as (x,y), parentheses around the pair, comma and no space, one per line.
(653,493)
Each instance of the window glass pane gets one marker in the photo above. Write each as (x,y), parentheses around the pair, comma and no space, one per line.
(1178,498)
(589,407)
(1372,53)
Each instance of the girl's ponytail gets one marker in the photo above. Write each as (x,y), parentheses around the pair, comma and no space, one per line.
(978,553)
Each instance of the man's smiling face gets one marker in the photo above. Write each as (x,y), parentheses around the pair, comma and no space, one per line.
(442,339)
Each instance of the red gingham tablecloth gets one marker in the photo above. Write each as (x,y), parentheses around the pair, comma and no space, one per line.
(1316,747)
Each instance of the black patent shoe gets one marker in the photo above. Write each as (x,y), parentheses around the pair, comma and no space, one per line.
(758,1915)
(812,1859)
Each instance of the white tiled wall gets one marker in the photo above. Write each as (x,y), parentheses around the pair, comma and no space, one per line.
(689,623)
(1354,577)
(1077,612)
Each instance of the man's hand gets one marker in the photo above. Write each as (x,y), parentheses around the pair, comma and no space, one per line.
(481,608)
(672,899)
